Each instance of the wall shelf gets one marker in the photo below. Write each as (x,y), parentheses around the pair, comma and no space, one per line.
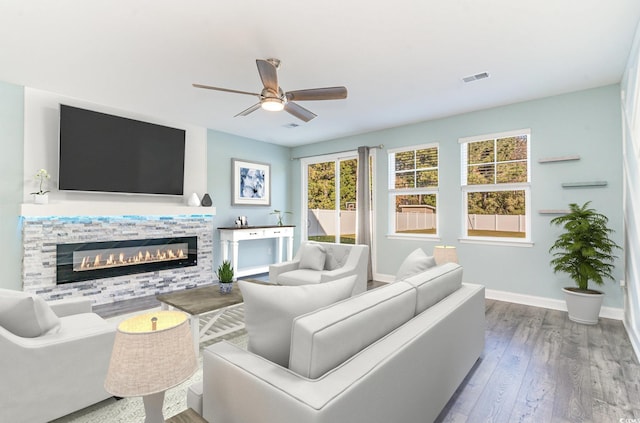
(584,184)
(81,208)
(559,159)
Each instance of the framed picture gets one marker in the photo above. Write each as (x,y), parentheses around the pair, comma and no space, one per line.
(250,183)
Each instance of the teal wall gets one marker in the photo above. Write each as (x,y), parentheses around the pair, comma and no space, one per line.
(221,148)
(585,123)
(11,171)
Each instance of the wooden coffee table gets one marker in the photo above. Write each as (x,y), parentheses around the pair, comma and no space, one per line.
(204,300)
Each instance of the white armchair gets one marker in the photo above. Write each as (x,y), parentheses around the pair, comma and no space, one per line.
(319,262)
(57,372)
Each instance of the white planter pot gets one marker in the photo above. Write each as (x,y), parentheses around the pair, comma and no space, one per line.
(583,308)
(41,199)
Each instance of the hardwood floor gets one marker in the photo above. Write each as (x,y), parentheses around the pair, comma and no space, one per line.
(538,366)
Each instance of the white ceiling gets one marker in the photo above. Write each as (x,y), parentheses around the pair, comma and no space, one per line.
(402,61)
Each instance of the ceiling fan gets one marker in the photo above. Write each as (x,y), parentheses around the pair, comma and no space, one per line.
(272,97)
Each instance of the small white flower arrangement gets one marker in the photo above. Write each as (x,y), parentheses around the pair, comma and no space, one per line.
(42,176)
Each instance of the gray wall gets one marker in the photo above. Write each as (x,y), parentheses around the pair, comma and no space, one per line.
(11,170)
(585,123)
(221,148)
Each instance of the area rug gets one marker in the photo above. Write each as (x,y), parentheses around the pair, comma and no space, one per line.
(131,410)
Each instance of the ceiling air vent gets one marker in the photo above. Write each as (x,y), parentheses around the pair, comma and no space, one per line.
(291,125)
(476,77)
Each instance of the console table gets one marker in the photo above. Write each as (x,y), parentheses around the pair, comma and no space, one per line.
(233,235)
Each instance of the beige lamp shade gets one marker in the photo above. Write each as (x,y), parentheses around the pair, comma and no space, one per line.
(145,361)
(445,254)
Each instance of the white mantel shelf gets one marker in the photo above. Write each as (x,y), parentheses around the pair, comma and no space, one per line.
(77,208)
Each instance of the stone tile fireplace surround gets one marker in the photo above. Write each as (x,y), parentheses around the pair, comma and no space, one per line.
(43,227)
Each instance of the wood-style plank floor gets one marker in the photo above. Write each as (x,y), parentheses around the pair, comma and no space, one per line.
(538,366)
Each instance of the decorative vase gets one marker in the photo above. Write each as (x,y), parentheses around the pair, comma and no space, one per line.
(193,200)
(583,307)
(41,198)
(206,200)
(225,287)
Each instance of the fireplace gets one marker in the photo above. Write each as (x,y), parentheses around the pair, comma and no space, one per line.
(97,260)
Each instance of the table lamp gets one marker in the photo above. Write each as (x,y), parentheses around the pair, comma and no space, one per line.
(152,352)
(445,254)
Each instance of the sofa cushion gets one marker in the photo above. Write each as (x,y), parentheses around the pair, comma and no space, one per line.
(323,339)
(26,315)
(269,311)
(300,277)
(435,284)
(415,263)
(337,256)
(312,256)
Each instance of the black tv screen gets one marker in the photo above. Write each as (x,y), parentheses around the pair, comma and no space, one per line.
(106,153)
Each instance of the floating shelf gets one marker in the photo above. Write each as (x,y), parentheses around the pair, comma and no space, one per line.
(554,211)
(584,184)
(559,159)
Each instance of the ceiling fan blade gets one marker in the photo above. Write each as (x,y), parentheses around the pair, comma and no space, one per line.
(299,111)
(208,87)
(268,74)
(249,110)
(329,93)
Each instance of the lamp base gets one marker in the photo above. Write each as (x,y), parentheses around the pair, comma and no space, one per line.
(153,408)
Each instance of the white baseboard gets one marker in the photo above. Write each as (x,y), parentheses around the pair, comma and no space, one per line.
(551,303)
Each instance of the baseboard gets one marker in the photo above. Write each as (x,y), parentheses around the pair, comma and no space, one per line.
(634,337)
(550,303)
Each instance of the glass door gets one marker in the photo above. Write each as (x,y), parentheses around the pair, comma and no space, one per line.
(331,199)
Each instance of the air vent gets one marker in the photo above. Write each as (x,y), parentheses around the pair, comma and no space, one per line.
(291,125)
(476,77)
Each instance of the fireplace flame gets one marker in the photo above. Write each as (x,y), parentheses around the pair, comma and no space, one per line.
(90,262)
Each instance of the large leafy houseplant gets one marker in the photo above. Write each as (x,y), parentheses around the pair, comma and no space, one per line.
(584,250)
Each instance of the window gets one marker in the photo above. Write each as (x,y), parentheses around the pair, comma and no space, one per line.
(496,186)
(413,191)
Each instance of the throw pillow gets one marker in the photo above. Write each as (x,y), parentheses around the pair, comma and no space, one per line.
(415,263)
(269,311)
(312,256)
(26,315)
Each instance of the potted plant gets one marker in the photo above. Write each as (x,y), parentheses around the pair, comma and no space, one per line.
(279,214)
(41,196)
(225,277)
(585,252)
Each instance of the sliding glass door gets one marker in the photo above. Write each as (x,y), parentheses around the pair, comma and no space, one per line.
(330,198)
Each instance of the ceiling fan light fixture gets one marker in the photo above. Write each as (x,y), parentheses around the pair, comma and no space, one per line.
(272,104)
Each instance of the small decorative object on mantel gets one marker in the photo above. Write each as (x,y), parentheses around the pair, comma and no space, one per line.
(225,277)
(193,200)
(41,196)
(206,200)
(280,216)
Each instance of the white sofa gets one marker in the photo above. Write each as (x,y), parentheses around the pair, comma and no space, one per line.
(59,366)
(319,262)
(393,354)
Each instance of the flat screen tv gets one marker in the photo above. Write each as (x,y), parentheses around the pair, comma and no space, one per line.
(106,153)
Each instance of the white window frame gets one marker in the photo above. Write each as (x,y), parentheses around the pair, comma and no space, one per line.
(394,192)
(514,186)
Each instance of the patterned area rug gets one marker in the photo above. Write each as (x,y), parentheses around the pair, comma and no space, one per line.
(131,410)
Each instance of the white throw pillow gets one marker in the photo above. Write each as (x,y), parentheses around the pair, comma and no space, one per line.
(312,256)
(26,315)
(415,263)
(269,311)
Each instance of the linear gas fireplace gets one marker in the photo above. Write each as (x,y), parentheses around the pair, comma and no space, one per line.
(96,260)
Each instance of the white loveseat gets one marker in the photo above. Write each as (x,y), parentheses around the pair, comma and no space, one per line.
(393,354)
(59,365)
(319,262)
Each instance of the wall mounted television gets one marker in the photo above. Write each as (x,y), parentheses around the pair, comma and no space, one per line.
(106,153)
